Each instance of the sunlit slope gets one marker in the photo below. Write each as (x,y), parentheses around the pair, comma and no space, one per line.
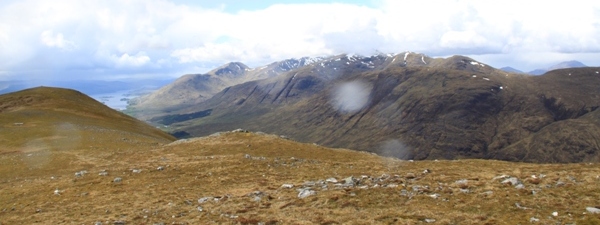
(61,120)
(248,178)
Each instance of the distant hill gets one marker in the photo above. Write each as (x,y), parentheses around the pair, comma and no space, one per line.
(56,119)
(192,89)
(510,69)
(562,65)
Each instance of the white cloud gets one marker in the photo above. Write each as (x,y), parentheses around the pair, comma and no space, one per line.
(139,36)
(125,60)
(50,39)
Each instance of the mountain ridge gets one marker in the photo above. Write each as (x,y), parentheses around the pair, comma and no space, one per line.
(432,103)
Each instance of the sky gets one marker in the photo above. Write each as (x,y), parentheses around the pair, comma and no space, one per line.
(148,39)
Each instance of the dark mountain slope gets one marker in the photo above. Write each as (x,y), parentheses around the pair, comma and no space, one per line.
(447,109)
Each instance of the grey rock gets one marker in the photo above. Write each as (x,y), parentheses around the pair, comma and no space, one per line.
(500,177)
(160,168)
(350,181)
(420,189)
(429,220)
(593,210)
(204,200)
(533,220)
(117,180)
(287,186)
(511,181)
(331,180)
(306,192)
(520,186)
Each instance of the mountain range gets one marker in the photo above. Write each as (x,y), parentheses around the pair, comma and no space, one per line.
(561,65)
(405,105)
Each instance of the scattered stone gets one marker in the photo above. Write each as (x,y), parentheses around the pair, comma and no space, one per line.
(426,171)
(520,186)
(392,186)
(136,170)
(239,130)
(533,220)
(500,177)
(98,223)
(420,189)
(560,184)
(331,180)
(305,193)
(463,183)
(119,222)
(519,206)
(204,200)
(350,181)
(200,208)
(247,156)
(434,196)
(488,192)
(511,181)
(554,213)
(429,220)
(57,192)
(80,173)
(103,173)
(593,210)
(287,186)
(410,176)
(160,168)
(117,180)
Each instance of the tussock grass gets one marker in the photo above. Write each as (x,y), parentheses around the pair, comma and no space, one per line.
(233,166)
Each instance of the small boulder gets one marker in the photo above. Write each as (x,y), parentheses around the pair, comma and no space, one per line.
(331,180)
(287,186)
(305,193)
(511,181)
(204,200)
(593,210)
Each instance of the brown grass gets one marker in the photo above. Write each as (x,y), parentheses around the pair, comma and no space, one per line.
(217,167)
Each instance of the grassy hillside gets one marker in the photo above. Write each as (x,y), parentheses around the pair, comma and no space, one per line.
(248,178)
(54,119)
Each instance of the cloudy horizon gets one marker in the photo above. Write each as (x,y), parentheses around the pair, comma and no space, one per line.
(141,39)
